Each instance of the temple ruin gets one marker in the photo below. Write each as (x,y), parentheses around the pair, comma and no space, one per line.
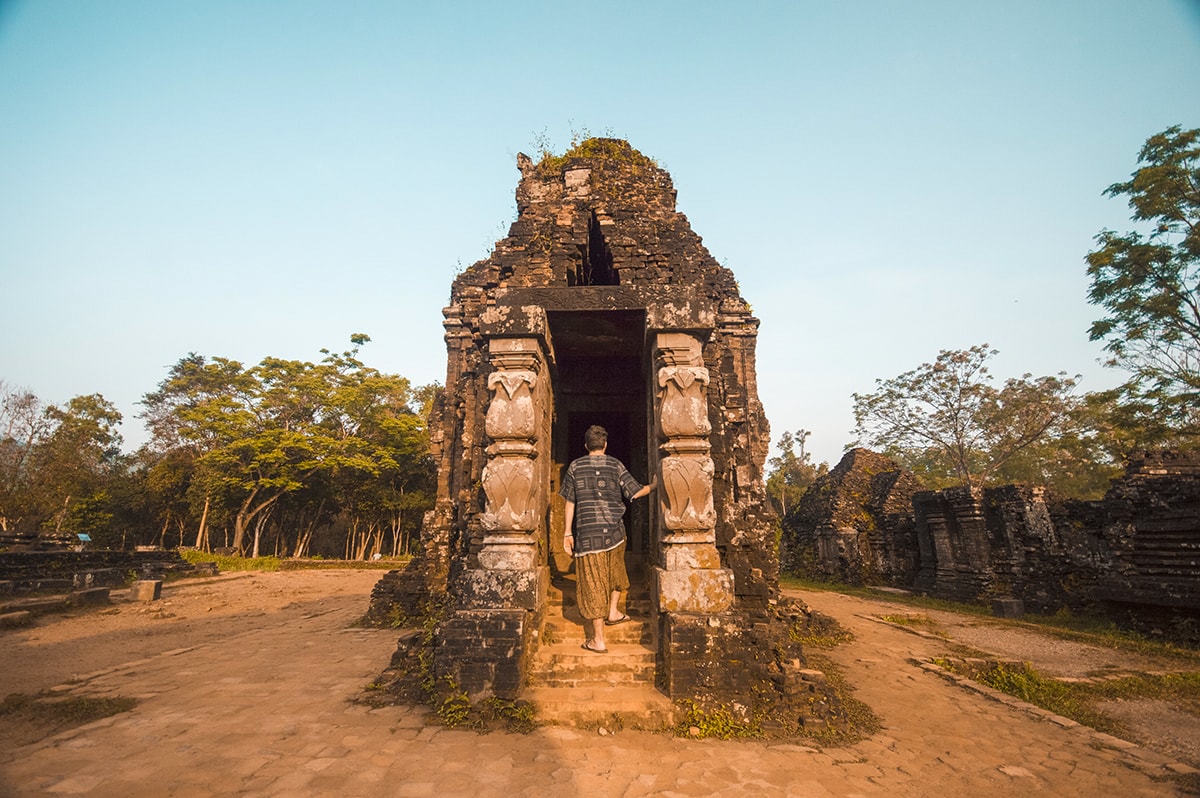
(1134,553)
(602,306)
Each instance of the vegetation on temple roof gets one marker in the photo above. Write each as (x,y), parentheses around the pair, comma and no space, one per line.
(593,148)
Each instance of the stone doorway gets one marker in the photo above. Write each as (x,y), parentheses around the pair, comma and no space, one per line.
(600,378)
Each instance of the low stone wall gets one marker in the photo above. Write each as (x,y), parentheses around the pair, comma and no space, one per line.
(36,571)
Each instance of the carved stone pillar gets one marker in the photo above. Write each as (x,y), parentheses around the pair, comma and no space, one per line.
(511,478)
(689,577)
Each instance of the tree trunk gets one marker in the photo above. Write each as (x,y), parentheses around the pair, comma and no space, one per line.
(258,529)
(246,514)
(305,530)
(202,534)
(62,515)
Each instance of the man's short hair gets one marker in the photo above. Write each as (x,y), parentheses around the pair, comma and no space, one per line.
(596,438)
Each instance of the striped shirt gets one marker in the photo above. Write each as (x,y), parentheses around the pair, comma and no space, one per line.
(598,485)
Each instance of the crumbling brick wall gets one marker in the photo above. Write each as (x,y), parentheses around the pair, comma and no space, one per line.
(1138,547)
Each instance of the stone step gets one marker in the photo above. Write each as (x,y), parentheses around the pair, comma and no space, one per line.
(11,620)
(611,707)
(557,598)
(573,687)
(567,664)
(571,655)
(37,605)
(562,630)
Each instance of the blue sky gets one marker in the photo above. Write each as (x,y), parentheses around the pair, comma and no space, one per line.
(885,179)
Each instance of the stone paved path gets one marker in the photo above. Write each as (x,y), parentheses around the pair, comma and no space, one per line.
(264,713)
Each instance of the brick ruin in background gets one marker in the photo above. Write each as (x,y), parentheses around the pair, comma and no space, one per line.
(855,523)
(601,306)
(1137,549)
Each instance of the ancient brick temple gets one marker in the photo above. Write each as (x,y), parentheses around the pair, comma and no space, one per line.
(600,307)
(1134,552)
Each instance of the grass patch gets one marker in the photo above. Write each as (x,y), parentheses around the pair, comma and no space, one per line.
(1078,700)
(909,620)
(27,719)
(1103,632)
(226,563)
(1176,687)
(819,631)
(857,720)
(1090,629)
(229,563)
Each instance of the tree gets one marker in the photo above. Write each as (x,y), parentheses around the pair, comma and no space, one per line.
(74,460)
(790,473)
(948,414)
(292,439)
(1148,283)
(23,423)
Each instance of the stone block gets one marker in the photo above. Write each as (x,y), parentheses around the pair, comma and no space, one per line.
(508,557)
(99,577)
(707,590)
(146,590)
(691,556)
(1008,608)
(10,620)
(484,589)
(90,595)
(39,605)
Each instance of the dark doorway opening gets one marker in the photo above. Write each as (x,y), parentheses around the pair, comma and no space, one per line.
(601,379)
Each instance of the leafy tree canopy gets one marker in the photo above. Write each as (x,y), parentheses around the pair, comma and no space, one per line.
(791,472)
(946,417)
(1147,282)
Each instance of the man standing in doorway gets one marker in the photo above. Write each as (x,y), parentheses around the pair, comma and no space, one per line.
(598,486)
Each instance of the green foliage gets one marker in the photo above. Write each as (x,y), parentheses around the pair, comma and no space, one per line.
(583,145)
(512,716)
(790,474)
(294,444)
(227,563)
(820,631)
(945,418)
(56,463)
(1148,284)
(289,456)
(717,722)
(1072,701)
(453,706)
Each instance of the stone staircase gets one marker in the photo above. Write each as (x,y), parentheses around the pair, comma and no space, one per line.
(573,687)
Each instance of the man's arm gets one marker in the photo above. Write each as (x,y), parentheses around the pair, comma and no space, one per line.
(568,537)
(646,490)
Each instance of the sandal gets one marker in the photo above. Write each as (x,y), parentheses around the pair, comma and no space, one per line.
(587,647)
(622,619)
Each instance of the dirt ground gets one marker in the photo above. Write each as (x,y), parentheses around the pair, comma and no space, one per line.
(59,648)
(243,681)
